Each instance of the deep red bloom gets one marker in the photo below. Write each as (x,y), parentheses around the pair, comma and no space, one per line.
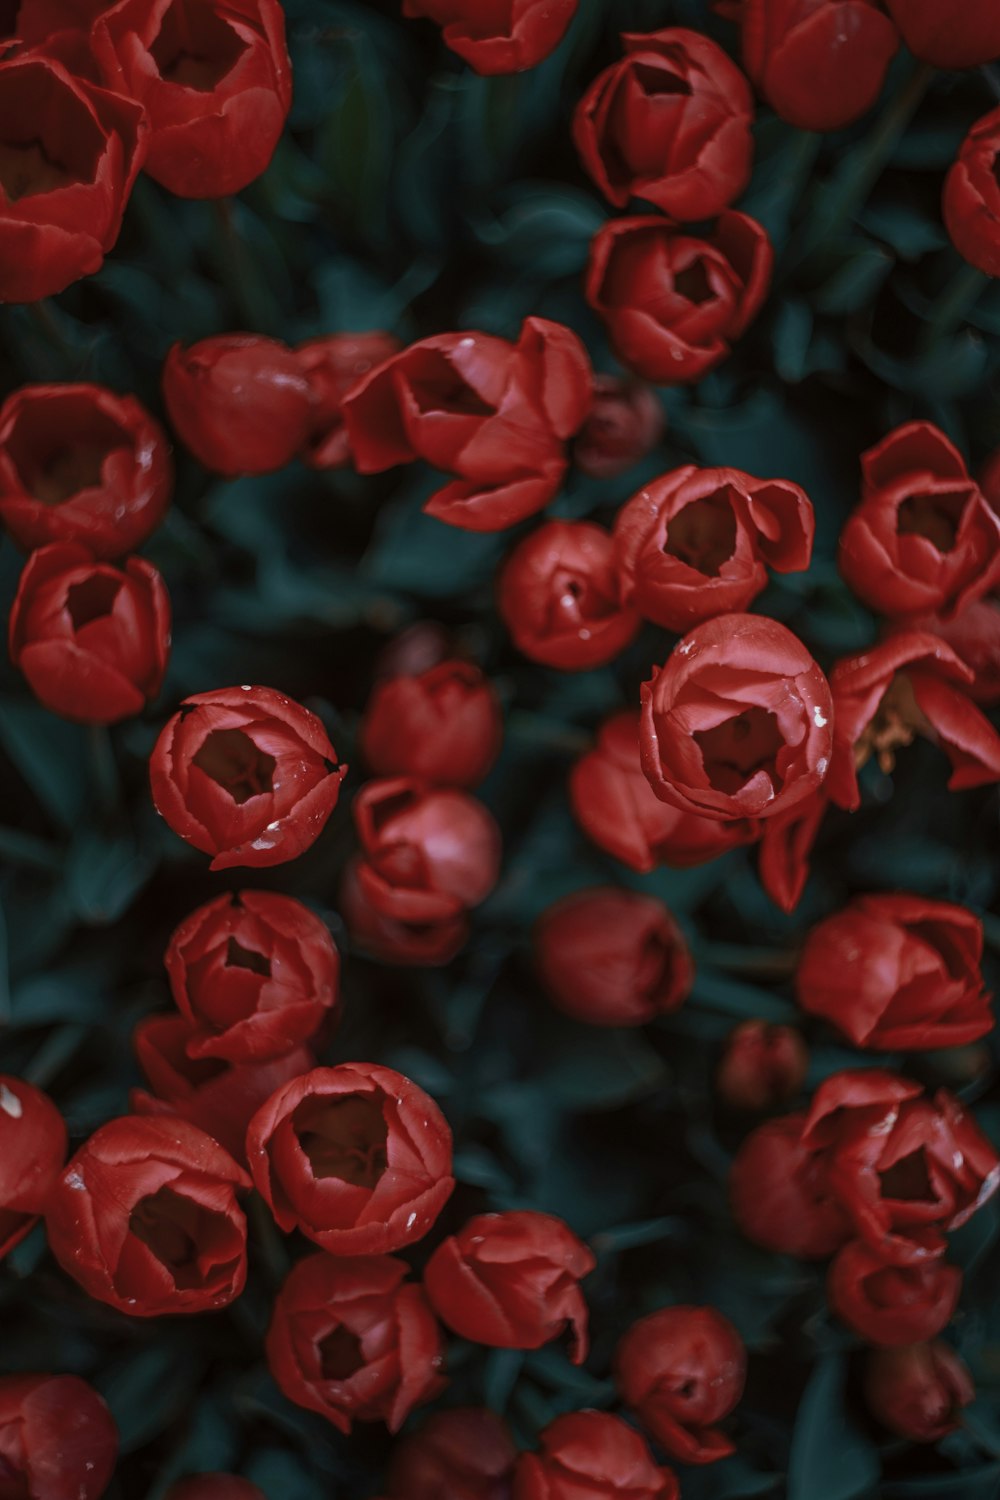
(332,365)
(442,726)
(240,402)
(681,1370)
(511,1281)
(498,36)
(465,1453)
(214,79)
(908,684)
(615,806)
(560,596)
(971,202)
(918,1391)
(819,63)
(669,123)
(357,1157)
(592,1454)
(58,1441)
(495,415)
(737,723)
(64,186)
(779,1194)
(673,302)
(890,1305)
(897,973)
(255,975)
(80,464)
(214,1487)
(924,540)
(786,846)
(427,854)
(974,636)
(32,1151)
(246,775)
(698,542)
(763,1066)
(350,1340)
(905,1168)
(625,422)
(92,639)
(963,38)
(395,940)
(218,1097)
(612,957)
(145,1218)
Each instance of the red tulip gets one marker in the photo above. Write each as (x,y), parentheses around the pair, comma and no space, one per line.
(32,1152)
(465,1453)
(919,1391)
(498,36)
(592,1454)
(397,940)
(58,1440)
(625,422)
(963,38)
(820,64)
(442,726)
(333,365)
(763,1066)
(971,203)
(681,1370)
(780,1196)
(887,1304)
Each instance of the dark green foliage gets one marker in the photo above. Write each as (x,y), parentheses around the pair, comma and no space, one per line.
(412,195)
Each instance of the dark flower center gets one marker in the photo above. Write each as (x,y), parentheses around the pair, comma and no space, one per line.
(92,599)
(232,760)
(654,81)
(195,48)
(693,283)
(246,958)
(169,1225)
(27,169)
(736,750)
(9,12)
(936,517)
(908,1180)
(344,1137)
(69,472)
(703,534)
(655,970)
(898,719)
(340,1354)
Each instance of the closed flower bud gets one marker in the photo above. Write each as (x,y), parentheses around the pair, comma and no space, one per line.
(779,1194)
(145,1218)
(670,123)
(918,1391)
(897,973)
(57,1438)
(354,1341)
(214,1487)
(239,402)
(738,723)
(820,64)
(32,1151)
(763,1066)
(681,1370)
(674,302)
(214,81)
(626,422)
(91,639)
(891,1305)
(462,1454)
(507,38)
(594,1454)
(906,1168)
(255,974)
(357,1157)
(429,854)
(443,726)
(246,775)
(394,940)
(560,596)
(971,203)
(698,542)
(332,365)
(974,636)
(963,38)
(612,957)
(511,1281)
(65,185)
(924,539)
(910,684)
(80,464)
(218,1097)
(615,806)
(495,415)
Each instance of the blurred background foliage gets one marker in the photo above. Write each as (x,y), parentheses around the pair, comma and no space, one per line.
(411,195)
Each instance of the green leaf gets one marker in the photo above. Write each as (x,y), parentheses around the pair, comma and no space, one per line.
(830,1458)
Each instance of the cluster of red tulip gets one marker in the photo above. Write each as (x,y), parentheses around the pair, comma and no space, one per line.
(740,737)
